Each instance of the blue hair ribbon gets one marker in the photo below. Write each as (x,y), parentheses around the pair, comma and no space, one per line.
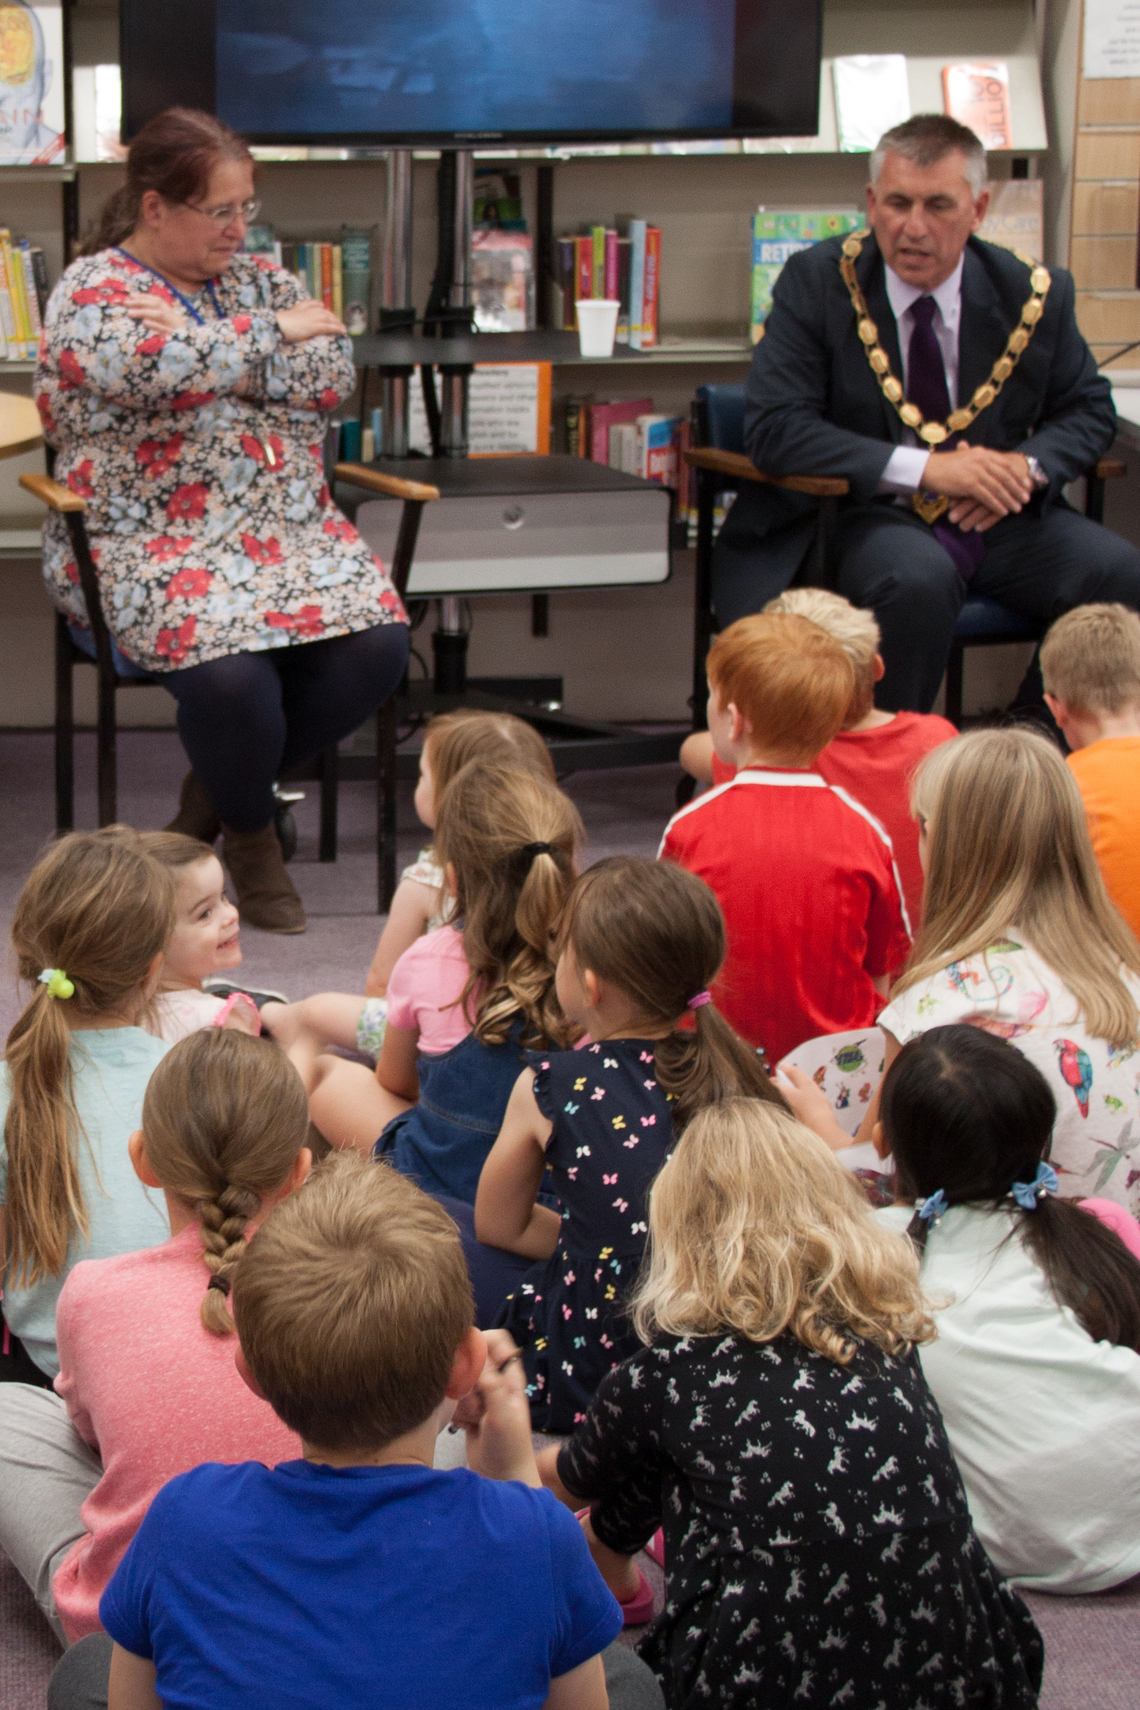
(1028,1193)
(931,1209)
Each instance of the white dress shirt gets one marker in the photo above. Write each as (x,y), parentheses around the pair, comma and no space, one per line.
(907,461)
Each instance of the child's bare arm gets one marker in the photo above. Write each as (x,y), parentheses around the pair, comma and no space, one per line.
(131,1685)
(506,1212)
(396,1069)
(412,907)
(584,1688)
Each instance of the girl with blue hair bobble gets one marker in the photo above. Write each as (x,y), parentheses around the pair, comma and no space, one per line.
(1036,1366)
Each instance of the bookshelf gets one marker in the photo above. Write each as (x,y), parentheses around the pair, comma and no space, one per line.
(702,201)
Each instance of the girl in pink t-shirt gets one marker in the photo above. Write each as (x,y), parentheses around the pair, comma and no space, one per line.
(146,1341)
(463,1001)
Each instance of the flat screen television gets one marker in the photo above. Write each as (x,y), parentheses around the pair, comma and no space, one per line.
(471,73)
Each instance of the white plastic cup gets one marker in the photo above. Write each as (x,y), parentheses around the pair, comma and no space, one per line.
(597,324)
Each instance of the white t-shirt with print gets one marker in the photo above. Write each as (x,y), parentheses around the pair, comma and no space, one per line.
(1008,989)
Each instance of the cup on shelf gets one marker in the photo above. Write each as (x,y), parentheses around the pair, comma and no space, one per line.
(597,323)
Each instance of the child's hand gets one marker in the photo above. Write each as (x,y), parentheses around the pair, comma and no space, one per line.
(239,1015)
(496,1416)
(810,1106)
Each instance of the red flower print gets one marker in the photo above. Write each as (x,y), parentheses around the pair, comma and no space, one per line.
(71,372)
(106,291)
(255,448)
(165,547)
(157,455)
(152,345)
(189,501)
(339,528)
(317,454)
(71,571)
(324,495)
(126,264)
(263,551)
(241,323)
(328,399)
(175,644)
(187,583)
(390,602)
(43,405)
(308,621)
(265,266)
(191,400)
(79,480)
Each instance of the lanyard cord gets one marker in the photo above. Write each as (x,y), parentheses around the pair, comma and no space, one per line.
(185,301)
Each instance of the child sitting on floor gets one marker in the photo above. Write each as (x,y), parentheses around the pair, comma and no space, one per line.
(875,754)
(421,903)
(1037,1303)
(354,1315)
(89,931)
(463,1001)
(145,1340)
(641,944)
(803,872)
(818,1547)
(204,942)
(1090,662)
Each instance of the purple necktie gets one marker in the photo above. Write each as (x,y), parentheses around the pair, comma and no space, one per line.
(926,388)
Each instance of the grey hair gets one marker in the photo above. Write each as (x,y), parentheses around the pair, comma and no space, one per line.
(928,138)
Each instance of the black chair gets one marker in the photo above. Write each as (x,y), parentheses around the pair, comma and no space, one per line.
(116,672)
(721,465)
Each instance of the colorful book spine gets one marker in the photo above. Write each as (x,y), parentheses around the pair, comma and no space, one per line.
(658,449)
(31,298)
(637,231)
(651,286)
(622,448)
(610,288)
(564,279)
(780,233)
(605,417)
(598,262)
(39,268)
(14,344)
(583,269)
(338,281)
(19,297)
(326,261)
(356,250)
(621,335)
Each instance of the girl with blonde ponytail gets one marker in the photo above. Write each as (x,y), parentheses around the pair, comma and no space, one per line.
(89,931)
(464,1001)
(146,1341)
(641,943)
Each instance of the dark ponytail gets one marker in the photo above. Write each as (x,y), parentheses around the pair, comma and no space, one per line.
(966,1114)
(174,153)
(657,933)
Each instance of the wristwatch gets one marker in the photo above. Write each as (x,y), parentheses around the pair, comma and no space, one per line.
(1036,474)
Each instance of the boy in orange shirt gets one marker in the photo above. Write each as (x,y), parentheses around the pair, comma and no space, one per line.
(1090,661)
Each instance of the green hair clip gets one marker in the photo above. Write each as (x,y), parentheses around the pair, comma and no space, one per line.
(57,983)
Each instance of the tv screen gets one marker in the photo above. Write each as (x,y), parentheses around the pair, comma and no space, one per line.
(471,72)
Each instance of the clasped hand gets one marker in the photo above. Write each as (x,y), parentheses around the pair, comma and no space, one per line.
(982,485)
(496,1415)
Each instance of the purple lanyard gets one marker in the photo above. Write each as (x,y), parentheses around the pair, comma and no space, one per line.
(185,301)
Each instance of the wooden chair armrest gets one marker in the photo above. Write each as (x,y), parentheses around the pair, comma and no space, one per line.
(359,475)
(1109,469)
(51,493)
(742,468)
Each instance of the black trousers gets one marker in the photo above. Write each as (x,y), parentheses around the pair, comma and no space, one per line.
(247,718)
(1040,564)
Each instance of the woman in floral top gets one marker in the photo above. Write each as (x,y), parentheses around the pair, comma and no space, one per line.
(185,389)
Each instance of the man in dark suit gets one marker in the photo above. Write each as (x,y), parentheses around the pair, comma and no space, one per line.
(996,440)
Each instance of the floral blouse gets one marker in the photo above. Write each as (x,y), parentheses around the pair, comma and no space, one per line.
(199,454)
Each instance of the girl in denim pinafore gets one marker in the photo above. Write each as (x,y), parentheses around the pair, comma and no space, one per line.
(466,1002)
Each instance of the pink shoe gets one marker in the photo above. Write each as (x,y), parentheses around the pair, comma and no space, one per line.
(655,1548)
(639,1608)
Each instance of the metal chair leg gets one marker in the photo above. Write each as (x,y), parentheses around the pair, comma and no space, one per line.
(954,672)
(64,730)
(106,741)
(386,803)
(330,783)
(702,595)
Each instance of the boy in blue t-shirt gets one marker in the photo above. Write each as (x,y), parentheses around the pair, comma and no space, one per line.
(359,1575)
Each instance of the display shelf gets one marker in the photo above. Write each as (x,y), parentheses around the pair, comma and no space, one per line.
(17,367)
(37,174)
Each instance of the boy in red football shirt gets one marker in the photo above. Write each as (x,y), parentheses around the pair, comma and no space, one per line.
(876,753)
(804,874)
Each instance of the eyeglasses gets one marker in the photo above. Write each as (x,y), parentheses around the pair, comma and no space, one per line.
(223,217)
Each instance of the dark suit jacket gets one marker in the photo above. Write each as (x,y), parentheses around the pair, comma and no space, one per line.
(813,405)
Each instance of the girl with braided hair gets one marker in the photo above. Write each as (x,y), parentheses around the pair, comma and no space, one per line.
(147,1386)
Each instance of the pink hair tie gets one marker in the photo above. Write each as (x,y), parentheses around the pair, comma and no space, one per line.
(699,1001)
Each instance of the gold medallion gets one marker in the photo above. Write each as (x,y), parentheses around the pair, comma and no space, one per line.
(930,506)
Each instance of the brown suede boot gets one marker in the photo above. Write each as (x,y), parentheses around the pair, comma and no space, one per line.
(195,816)
(265,894)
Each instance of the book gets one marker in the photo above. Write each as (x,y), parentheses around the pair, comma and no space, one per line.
(39,270)
(610,283)
(13,320)
(574,408)
(1015,217)
(24,255)
(583,269)
(598,263)
(651,283)
(637,230)
(564,282)
(326,274)
(622,448)
(778,233)
(871,95)
(977,95)
(356,264)
(658,449)
(498,199)
(259,240)
(338,281)
(502,280)
(605,417)
(624,249)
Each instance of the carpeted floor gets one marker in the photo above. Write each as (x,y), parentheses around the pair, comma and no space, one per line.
(1092,1643)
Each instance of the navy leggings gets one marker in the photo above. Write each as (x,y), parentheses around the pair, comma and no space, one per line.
(246,719)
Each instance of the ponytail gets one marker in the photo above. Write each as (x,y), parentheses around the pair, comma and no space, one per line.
(174,154)
(657,933)
(966,1117)
(224,1118)
(511,838)
(97,910)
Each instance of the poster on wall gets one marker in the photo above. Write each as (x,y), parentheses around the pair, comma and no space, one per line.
(1112,38)
(31,84)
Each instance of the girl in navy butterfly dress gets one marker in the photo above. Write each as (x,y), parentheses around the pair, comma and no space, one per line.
(641,943)
(818,1547)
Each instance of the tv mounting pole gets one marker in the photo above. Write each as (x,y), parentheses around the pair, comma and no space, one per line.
(397,312)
